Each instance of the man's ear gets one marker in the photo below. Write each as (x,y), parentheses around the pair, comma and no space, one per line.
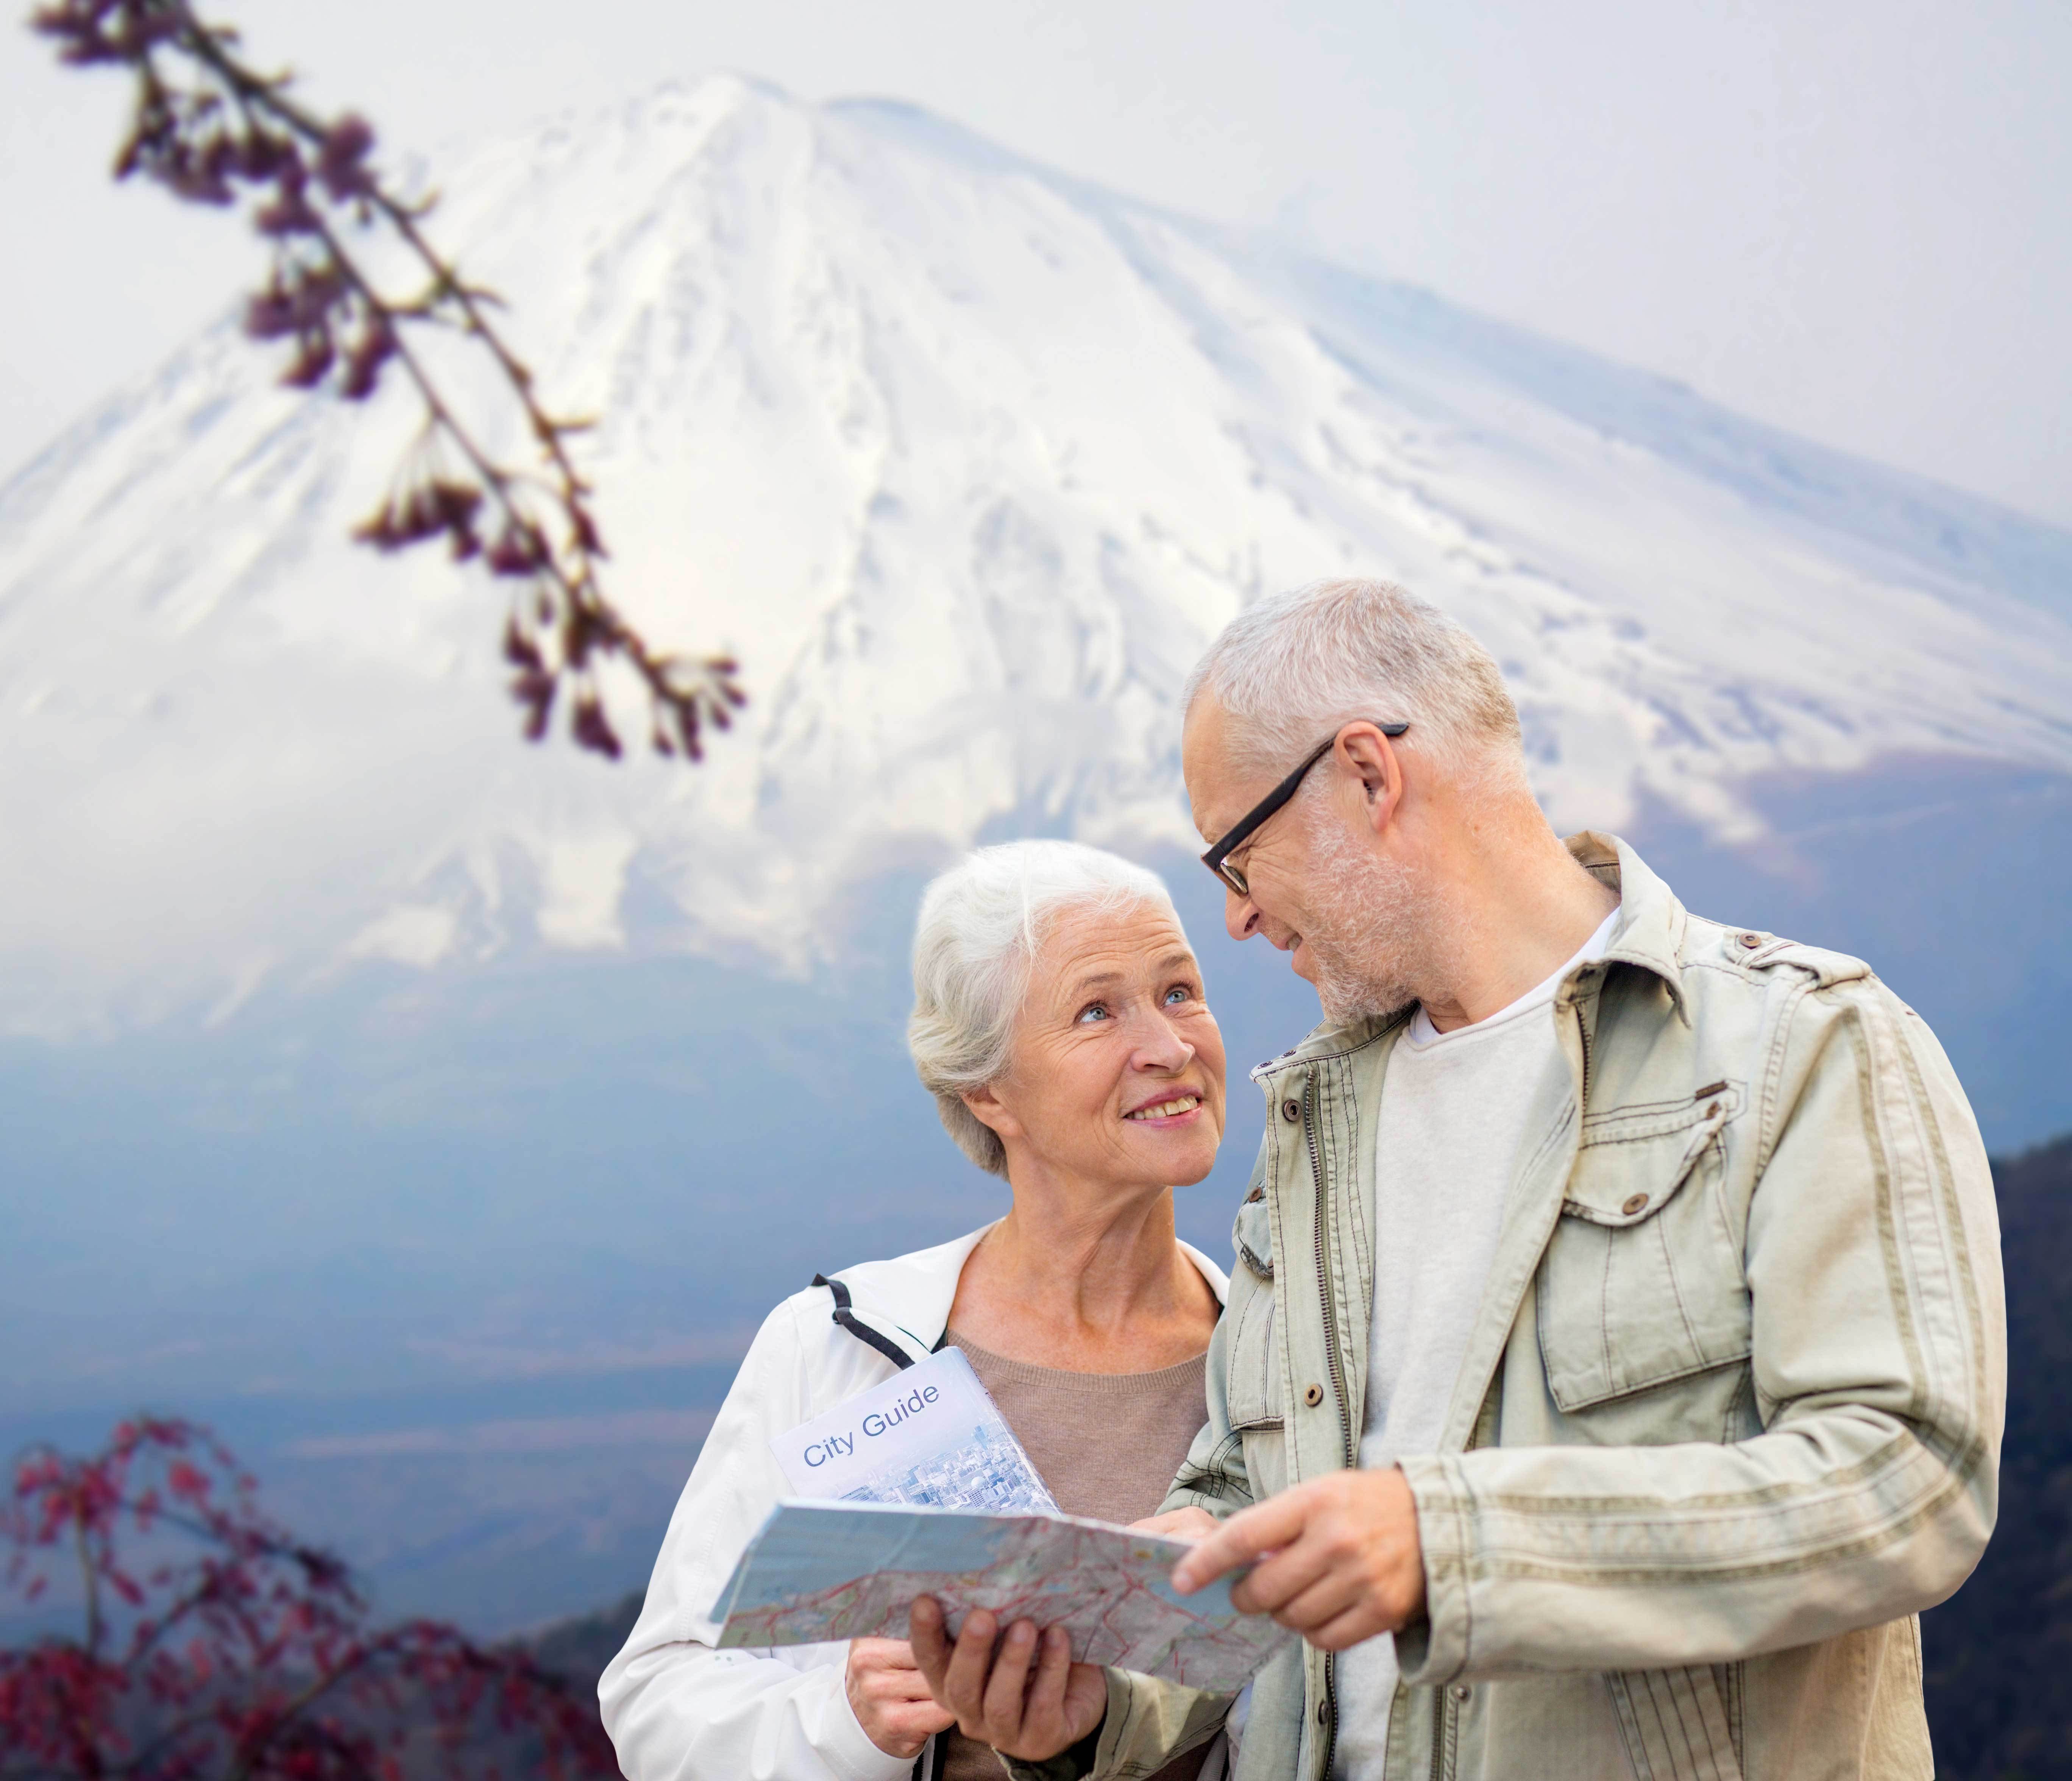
(1373,757)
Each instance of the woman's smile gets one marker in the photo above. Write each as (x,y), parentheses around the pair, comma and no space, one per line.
(1173,1109)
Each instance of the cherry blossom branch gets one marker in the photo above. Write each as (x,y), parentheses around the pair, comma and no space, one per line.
(206,124)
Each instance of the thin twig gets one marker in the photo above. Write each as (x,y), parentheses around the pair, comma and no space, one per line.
(90,1573)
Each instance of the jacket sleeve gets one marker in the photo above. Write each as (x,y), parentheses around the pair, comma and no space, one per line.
(1878,1360)
(677,1709)
(1213,1476)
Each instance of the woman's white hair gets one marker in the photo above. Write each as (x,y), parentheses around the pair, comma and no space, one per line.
(1293,668)
(982,923)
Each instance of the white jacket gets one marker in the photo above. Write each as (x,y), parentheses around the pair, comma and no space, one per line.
(678,1710)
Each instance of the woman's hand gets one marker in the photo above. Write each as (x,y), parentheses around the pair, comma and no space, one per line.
(890,1697)
(1189,1524)
(993,1696)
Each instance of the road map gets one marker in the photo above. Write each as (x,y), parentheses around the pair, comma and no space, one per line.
(819,1571)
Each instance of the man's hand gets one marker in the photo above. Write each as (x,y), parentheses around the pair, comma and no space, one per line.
(1179,1524)
(993,1695)
(890,1697)
(1341,1563)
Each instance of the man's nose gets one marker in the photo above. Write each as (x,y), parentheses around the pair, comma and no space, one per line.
(1240,915)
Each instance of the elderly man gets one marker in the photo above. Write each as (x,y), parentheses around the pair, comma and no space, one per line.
(1615,1361)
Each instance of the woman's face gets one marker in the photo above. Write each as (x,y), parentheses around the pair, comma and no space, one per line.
(1117,1070)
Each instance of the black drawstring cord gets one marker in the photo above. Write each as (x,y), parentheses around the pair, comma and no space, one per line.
(861,1331)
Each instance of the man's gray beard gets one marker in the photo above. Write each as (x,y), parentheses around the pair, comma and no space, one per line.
(1380,927)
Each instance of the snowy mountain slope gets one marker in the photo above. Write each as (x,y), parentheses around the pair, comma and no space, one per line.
(966,462)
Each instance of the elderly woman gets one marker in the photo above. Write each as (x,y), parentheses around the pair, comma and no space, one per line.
(1059,1022)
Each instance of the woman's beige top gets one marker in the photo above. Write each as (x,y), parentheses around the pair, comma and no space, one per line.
(1109,1446)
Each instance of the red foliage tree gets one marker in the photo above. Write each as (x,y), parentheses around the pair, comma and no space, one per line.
(213,1646)
(206,125)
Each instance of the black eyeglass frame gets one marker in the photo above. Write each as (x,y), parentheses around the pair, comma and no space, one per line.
(1217,859)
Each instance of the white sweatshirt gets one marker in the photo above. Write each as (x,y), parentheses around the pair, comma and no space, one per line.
(675,1709)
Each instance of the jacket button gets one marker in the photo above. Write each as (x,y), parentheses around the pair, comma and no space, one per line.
(1751,940)
(1323,1713)
(1462,1691)
(1638,1203)
(1291,1111)
(1312,1395)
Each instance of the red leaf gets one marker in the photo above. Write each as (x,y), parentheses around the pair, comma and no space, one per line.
(375,346)
(313,361)
(340,161)
(592,730)
(518,649)
(519,550)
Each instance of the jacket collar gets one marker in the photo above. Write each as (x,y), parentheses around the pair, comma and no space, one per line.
(908,1297)
(1651,921)
(1331,1041)
(1650,934)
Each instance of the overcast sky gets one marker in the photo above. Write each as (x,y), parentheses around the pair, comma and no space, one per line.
(1846,216)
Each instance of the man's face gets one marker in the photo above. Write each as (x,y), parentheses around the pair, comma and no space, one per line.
(1351,916)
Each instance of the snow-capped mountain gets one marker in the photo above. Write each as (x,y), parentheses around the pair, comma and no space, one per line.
(967,461)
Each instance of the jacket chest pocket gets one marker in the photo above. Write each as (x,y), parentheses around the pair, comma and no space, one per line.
(1255,1395)
(1642,1282)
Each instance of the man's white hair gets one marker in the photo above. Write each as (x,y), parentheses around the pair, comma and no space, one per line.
(982,924)
(1292,669)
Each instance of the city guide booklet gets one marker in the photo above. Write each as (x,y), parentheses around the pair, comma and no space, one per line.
(930,1434)
(933,1495)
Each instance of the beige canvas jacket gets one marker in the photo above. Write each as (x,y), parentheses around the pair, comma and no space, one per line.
(1731,1413)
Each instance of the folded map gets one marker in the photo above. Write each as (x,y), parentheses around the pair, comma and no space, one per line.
(820,1571)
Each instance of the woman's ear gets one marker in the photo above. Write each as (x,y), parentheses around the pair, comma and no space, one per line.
(988,1109)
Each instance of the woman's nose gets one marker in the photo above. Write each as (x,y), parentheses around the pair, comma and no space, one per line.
(1162,1048)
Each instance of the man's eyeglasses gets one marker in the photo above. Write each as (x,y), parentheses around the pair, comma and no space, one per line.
(1217,859)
